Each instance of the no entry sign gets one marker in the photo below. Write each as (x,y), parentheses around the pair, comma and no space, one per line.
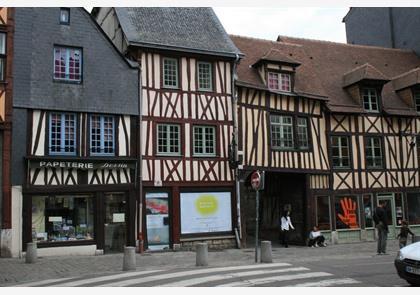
(257,180)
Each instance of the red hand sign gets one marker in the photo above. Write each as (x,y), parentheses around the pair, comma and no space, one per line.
(349,216)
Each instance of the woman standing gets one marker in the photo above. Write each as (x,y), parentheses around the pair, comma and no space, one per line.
(286,224)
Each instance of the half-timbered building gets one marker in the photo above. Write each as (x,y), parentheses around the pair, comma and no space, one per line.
(187,63)
(335,127)
(6,82)
(75,143)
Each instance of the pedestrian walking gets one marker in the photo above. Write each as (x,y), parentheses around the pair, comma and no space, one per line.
(381,222)
(403,235)
(285,226)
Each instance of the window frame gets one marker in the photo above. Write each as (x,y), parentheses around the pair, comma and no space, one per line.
(281,125)
(3,57)
(68,12)
(295,132)
(211,86)
(377,95)
(168,125)
(204,154)
(67,80)
(176,71)
(62,134)
(380,140)
(349,147)
(102,135)
(279,75)
(416,97)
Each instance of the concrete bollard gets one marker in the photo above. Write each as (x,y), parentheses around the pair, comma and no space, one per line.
(334,237)
(129,261)
(266,256)
(202,254)
(31,253)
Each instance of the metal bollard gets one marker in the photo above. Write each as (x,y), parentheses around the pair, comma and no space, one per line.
(202,256)
(31,253)
(266,256)
(129,261)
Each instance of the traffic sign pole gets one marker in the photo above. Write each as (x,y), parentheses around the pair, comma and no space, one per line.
(257,208)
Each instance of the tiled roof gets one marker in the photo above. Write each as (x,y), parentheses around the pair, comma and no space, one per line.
(407,79)
(363,72)
(277,56)
(323,65)
(186,29)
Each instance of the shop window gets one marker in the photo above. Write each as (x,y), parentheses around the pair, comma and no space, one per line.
(204,141)
(368,208)
(168,139)
(204,73)
(102,139)
(62,134)
(62,218)
(346,212)
(170,73)
(2,56)
(399,212)
(413,205)
(67,64)
(323,218)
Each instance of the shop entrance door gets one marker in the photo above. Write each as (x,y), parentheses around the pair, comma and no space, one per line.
(115,222)
(157,221)
(390,212)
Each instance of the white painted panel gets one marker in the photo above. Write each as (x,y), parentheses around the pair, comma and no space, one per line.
(143,72)
(184,82)
(145,172)
(156,60)
(188,141)
(121,139)
(157,170)
(228,78)
(218,85)
(193,63)
(188,170)
(193,102)
(178,104)
(149,69)
(35,121)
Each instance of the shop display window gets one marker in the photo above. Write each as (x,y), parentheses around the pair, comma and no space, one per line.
(346,212)
(413,205)
(323,217)
(62,218)
(368,210)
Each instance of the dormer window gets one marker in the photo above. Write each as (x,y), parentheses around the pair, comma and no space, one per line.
(279,81)
(370,100)
(65,16)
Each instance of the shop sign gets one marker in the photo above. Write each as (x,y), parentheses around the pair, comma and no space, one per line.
(84,165)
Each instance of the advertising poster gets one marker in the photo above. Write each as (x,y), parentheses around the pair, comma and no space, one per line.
(205,212)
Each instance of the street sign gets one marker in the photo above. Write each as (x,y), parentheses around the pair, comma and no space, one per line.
(257,180)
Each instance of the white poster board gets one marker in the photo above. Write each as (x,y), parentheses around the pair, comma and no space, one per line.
(205,212)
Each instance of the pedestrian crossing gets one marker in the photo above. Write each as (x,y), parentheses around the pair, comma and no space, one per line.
(271,274)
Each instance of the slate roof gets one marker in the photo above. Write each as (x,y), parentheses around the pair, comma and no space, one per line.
(195,29)
(323,65)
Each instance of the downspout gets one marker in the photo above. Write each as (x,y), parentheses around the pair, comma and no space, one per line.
(140,167)
(235,136)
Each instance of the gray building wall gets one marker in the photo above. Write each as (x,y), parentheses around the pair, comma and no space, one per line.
(393,27)
(19,144)
(109,84)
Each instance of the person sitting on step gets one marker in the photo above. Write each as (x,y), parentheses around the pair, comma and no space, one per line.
(316,239)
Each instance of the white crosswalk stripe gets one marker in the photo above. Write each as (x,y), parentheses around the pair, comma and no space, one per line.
(272,274)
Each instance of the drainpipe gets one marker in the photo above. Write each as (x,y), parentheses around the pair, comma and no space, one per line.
(235,135)
(140,166)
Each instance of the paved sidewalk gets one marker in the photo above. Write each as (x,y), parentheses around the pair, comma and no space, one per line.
(14,270)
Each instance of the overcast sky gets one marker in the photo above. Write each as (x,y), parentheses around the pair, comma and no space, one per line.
(268,23)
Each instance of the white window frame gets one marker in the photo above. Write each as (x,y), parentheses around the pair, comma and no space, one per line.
(164,82)
(168,139)
(298,128)
(204,141)
(68,51)
(340,152)
(282,125)
(201,76)
(3,40)
(370,94)
(280,77)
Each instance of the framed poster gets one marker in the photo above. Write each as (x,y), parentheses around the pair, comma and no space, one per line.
(205,212)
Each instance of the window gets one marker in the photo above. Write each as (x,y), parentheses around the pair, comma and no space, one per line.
(65,16)
(2,56)
(340,152)
(417,100)
(368,210)
(205,76)
(168,139)
(302,132)
(413,205)
(170,72)
(67,64)
(62,134)
(399,212)
(346,212)
(62,218)
(281,132)
(373,152)
(279,81)
(204,140)
(323,218)
(370,100)
(102,139)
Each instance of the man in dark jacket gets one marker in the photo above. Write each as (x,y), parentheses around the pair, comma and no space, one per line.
(382,226)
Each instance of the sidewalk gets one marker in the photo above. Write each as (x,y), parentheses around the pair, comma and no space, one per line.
(14,270)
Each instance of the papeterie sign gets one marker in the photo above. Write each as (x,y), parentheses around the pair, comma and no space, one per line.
(84,165)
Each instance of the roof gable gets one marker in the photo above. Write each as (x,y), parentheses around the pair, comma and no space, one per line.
(363,72)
